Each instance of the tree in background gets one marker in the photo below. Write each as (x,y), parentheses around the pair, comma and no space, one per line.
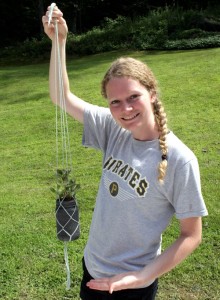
(21,19)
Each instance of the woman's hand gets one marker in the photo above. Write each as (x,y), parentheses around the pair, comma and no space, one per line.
(49,29)
(189,239)
(130,280)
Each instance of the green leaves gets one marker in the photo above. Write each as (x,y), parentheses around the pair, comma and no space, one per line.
(66,187)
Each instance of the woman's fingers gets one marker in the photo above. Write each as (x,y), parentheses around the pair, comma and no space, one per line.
(101,284)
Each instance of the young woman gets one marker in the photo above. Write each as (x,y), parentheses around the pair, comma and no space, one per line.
(148,176)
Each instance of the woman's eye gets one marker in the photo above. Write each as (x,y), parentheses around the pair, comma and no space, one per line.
(115,102)
(133,97)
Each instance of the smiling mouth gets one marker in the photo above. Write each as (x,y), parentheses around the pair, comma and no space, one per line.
(129,118)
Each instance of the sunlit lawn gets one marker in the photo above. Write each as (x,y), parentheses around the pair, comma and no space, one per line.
(32,261)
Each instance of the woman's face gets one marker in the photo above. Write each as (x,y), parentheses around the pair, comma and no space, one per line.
(131,106)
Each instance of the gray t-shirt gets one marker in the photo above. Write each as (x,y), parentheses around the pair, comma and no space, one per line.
(132,208)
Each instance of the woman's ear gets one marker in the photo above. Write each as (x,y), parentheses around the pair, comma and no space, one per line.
(153,97)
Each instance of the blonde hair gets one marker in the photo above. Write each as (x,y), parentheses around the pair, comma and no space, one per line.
(137,70)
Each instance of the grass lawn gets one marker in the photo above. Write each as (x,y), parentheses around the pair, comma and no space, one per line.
(32,261)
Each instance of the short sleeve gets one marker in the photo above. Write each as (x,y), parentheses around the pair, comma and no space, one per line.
(96,127)
(187,196)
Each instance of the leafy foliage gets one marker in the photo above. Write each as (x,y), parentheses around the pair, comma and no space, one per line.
(159,29)
(66,186)
(196,43)
(81,15)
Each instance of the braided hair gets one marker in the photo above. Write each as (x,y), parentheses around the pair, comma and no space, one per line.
(137,70)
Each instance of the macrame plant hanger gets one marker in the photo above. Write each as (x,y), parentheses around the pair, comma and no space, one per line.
(67,215)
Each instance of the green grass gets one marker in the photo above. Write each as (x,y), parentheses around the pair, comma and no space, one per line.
(32,260)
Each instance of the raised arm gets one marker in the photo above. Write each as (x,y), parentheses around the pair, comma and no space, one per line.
(74,105)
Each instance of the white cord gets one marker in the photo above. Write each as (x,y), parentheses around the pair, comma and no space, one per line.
(65,141)
(67,265)
(51,12)
(64,131)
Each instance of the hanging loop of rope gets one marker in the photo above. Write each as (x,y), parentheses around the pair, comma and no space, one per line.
(61,115)
(63,153)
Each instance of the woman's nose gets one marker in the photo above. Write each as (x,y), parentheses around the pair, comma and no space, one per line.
(127,107)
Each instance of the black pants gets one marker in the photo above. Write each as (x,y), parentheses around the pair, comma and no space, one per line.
(86,293)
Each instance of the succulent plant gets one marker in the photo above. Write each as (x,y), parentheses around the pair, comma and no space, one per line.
(66,187)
